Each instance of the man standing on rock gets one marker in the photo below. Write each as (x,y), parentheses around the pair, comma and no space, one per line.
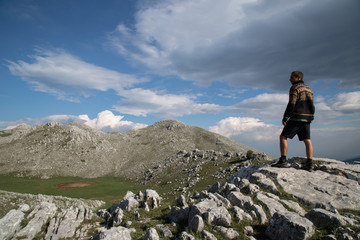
(297,118)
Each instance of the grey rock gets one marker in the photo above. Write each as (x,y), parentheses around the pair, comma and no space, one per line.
(240,200)
(228,233)
(323,218)
(248,230)
(38,217)
(211,213)
(196,224)
(272,204)
(151,234)
(259,213)
(253,188)
(66,223)
(114,234)
(118,217)
(185,236)
(181,201)
(207,235)
(129,202)
(289,225)
(228,188)
(164,230)
(152,198)
(318,188)
(241,215)
(241,182)
(11,223)
(294,206)
(261,180)
(178,214)
(220,200)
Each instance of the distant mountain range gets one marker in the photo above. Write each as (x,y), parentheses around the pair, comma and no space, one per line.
(352,160)
(72,149)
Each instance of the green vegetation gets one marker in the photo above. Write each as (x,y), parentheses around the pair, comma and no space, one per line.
(108,189)
(249,154)
(5,134)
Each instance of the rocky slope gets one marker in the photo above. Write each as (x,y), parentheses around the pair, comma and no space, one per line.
(257,202)
(77,150)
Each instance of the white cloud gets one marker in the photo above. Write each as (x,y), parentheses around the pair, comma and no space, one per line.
(143,102)
(105,121)
(62,74)
(347,102)
(265,106)
(245,127)
(251,42)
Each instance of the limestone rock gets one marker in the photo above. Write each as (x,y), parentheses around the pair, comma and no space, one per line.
(38,217)
(229,233)
(289,225)
(323,218)
(185,236)
(10,223)
(178,214)
(240,200)
(196,224)
(261,180)
(66,222)
(164,230)
(151,234)
(211,213)
(114,233)
(208,236)
(241,215)
(271,203)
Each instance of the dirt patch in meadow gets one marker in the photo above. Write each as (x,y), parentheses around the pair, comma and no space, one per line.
(74,185)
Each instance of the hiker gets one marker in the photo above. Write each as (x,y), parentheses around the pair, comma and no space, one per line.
(297,118)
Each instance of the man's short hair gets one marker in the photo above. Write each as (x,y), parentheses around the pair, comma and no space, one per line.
(298,74)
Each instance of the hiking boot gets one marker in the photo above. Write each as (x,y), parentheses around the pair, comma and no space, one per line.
(308,166)
(281,163)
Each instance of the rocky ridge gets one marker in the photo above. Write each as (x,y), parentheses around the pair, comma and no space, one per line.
(76,150)
(257,202)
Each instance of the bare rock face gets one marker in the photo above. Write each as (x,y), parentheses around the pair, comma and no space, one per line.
(61,216)
(289,225)
(11,223)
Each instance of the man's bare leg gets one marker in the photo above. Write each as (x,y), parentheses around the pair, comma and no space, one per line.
(283,152)
(309,148)
(309,154)
(283,146)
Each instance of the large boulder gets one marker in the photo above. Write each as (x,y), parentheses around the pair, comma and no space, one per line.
(323,218)
(38,217)
(11,223)
(289,226)
(213,214)
(114,233)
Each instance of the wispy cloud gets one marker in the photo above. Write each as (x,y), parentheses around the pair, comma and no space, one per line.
(67,77)
(143,102)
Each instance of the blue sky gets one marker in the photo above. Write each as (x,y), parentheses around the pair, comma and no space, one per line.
(220,65)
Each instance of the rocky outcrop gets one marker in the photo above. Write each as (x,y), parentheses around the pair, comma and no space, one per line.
(289,203)
(60,216)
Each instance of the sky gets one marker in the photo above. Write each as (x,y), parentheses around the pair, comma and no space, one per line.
(224,66)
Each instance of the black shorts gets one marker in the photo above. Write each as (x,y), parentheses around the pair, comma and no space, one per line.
(292,128)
